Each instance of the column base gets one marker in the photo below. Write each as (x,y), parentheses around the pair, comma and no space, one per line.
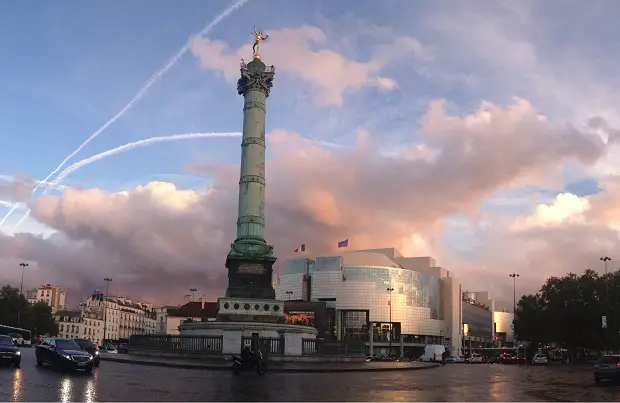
(250,268)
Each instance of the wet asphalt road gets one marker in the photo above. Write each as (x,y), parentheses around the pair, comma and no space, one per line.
(460,382)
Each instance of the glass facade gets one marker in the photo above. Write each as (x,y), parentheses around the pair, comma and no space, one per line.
(477,321)
(354,325)
(418,290)
(360,295)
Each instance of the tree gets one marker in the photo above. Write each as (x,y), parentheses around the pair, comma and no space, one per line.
(41,319)
(567,310)
(17,312)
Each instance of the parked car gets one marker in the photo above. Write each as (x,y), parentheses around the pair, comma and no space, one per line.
(607,367)
(9,351)
(18,340)
(539,359)
(64,354)
(495,359)
(111,350)
(36,341)
(90,348)
(476,359)
(460,360)
(450,360)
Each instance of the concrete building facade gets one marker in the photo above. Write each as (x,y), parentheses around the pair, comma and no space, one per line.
(122,317)
(52,295)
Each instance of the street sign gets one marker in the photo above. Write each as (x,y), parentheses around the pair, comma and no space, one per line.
(604,321)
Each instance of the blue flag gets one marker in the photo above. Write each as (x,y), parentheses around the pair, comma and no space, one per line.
(343,244)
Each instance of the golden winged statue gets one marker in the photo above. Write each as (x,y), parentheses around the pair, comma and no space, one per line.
(258,35)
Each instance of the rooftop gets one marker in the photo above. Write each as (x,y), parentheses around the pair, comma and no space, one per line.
(71,314)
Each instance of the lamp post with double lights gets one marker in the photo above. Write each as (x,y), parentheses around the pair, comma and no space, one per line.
(605,259)
(21,287)
(21,290)
(193,290)
(390,290)
(105,307)
(514,303)
(289,295)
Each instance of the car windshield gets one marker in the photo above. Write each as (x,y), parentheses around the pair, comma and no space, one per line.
(67,344)
(84,344)
(609,360)
(6,341)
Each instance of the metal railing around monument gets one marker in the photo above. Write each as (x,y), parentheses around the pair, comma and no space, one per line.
(189,344)
(311,347)
(267,345)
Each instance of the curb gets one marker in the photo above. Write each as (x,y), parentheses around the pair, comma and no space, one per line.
(277,370)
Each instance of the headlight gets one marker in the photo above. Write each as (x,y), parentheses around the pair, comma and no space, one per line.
(18,353)
(66,356)
(96,352)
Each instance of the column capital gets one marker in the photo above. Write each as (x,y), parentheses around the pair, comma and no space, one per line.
(255,76)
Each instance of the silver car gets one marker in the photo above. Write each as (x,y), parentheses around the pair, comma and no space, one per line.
(539,359)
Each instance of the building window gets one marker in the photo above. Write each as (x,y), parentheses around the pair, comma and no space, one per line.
(354,325)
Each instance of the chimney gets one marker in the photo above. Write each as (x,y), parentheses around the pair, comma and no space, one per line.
(204,301)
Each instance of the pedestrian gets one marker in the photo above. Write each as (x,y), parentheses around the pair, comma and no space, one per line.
(444,357)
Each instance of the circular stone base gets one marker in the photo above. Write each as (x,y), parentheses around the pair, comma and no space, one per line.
(232,334)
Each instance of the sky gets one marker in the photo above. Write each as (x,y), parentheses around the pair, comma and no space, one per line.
(482,133)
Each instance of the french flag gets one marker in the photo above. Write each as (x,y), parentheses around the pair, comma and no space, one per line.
(343,244)
(302,248)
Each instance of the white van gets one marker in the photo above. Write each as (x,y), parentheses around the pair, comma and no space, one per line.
(432,353)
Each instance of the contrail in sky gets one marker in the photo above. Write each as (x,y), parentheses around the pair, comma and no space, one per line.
(117,150)
(10,178)
(154,78)
(130,146)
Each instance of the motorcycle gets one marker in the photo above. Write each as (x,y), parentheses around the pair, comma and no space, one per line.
(248,362)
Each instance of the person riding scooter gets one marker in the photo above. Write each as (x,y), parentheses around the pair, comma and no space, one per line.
(249,360)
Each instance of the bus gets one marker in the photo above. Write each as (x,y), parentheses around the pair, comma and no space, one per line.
(21,337)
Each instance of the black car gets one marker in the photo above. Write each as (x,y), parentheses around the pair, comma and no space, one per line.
(90,348)
(64,354)
(9,351)
(607,367)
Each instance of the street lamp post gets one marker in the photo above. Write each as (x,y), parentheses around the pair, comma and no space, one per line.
(390,289)
(21,290)
(514,303)
(606,259)
(105,307)
(21,287)
(289,295)
(193,290)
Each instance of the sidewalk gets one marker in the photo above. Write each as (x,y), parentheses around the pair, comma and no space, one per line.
(274,366)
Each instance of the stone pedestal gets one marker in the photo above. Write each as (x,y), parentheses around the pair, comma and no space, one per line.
(250,310)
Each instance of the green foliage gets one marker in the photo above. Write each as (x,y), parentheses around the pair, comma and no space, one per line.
(568,310)
(16,311)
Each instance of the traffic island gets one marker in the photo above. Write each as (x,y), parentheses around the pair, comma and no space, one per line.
(274,366)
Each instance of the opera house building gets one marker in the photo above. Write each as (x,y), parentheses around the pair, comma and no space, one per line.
(403,302)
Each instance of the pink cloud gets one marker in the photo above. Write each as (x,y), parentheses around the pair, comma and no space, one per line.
(304,53)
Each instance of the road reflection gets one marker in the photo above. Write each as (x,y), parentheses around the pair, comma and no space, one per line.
(17,385)
(90,390)
(78,387)
(65,390)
